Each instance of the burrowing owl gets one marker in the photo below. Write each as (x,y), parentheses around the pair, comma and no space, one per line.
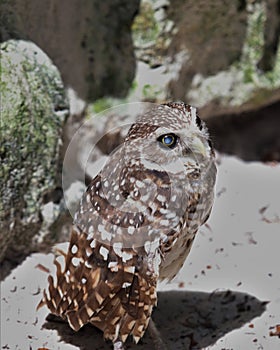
(136,224)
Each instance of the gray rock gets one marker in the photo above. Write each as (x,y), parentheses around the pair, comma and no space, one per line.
(89,41)
(212,33)
(33,111)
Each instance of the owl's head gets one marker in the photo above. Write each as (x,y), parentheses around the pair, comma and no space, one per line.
(170,137)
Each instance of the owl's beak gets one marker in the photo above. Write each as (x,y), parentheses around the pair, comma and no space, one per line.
(198,147)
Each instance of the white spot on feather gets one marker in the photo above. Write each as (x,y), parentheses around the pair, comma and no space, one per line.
(151,246)
(93,243)
(165,222)
(113,266)
(88,265)
(104,252)
(130,269)
(161,198)
(90,230)
(105,235)
(122,254)
(117,248)
(126,284)
(171,215)
(75,262)
(139,184)
(126,256)
(74,249)
(106,183)
(130,230)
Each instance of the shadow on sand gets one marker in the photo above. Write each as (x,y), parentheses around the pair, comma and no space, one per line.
(186,320)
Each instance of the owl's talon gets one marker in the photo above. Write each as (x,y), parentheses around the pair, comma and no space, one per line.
(118,345)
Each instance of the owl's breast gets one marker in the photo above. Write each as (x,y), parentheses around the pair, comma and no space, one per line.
(177,246)
(174,259)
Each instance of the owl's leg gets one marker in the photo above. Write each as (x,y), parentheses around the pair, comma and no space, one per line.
(156,336)
(118,345)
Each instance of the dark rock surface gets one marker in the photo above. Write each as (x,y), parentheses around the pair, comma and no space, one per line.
(89,41)
(251,133)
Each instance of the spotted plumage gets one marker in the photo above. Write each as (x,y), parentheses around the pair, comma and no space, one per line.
(135,224)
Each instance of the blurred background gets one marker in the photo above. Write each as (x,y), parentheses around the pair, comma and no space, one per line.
(64,61)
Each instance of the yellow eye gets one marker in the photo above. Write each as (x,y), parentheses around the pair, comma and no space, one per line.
(168,140)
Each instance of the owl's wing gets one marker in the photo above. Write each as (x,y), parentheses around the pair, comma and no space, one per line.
(111,286)
(117,298)
(112,264)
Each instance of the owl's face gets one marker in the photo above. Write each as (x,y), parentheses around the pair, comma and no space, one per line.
(170,138)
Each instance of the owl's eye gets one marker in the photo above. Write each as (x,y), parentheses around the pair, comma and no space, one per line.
(168,140)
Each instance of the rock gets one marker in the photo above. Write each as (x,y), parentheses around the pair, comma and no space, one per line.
(232,130)
(208,52)
(89,41)
(271,35)
(33,111)
(212,33)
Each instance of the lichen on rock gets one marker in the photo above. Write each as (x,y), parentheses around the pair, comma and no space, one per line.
(33,111)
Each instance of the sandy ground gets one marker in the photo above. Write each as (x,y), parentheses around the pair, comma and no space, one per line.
(226,297)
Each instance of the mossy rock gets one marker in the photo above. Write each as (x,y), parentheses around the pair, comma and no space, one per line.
(33,111)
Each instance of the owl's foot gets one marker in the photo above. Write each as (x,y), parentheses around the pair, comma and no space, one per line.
(118,345)
(156,336)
